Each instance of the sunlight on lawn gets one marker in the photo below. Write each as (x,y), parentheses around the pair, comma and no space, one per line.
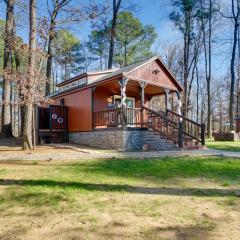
(168,198)
(222,145)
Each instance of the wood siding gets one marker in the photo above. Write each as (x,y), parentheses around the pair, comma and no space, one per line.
(101,98)
(162,77)
(79,110)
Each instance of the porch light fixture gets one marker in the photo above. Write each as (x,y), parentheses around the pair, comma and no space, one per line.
(156,71)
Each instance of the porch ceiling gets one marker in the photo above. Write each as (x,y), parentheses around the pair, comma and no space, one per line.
(133,89)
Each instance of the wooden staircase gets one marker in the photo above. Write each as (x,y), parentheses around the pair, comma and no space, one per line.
(182,131)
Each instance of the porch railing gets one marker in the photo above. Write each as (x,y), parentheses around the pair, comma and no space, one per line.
(169,124)
(117,117)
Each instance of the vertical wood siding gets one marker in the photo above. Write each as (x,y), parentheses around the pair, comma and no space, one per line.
(162,77)
(101,98)
(79,110)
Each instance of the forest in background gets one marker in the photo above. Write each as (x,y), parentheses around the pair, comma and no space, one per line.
(31,69)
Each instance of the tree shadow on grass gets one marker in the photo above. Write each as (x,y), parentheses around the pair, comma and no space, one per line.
(208,192)
(32,199)
(211,168)
(224,171)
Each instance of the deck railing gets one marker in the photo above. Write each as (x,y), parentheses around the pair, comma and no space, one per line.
(117,117)
(169,124)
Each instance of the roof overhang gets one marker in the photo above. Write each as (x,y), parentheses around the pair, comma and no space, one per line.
(117,76)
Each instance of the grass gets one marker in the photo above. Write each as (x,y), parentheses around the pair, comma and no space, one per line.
(168,198)
(222,145)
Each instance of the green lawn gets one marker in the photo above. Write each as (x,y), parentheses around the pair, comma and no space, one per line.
(168,198)
(226,146)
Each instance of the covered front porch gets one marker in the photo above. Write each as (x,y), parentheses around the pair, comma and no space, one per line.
(123,103)
(126,103)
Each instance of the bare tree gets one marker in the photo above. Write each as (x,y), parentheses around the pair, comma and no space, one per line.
(234,16)
(71,15)
(172,55)
(57,6)
(7,65)
(28,118)
(207,25)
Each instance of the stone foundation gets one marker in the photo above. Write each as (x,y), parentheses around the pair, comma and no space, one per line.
(128,139)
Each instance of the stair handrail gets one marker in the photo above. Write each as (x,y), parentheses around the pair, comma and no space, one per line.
(167,121)
(186,119)
(179,126)
(183,117)
(157,113)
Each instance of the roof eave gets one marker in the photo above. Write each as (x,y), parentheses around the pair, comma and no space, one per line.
(77,88)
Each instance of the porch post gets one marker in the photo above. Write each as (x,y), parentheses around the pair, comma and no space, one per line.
(142,85)
(93,117)
(166,92)
(180,123)
(123,84)
(179,103)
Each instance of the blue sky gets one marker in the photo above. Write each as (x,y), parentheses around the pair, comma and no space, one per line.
(154,12)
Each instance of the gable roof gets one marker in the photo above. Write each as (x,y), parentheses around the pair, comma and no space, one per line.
(124,71)
(127,69)
(116,73)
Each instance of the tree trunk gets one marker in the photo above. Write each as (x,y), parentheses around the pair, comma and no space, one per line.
(116,6)
(220,115)
(232,70)
(101,62)
(209,110)
(50,57)
(197,78)
(27,127)
(125,54)
(207,60)
(28,118)
(186,61)
(7,65)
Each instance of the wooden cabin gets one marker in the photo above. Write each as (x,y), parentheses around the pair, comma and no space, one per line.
(110,109)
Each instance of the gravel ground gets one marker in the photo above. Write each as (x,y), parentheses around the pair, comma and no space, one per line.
(77,152)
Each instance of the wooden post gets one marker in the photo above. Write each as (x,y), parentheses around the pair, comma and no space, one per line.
(50,117)
(203,134)
(123,85)
(142,85)
(166,91)
(180,134)
(180,124)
